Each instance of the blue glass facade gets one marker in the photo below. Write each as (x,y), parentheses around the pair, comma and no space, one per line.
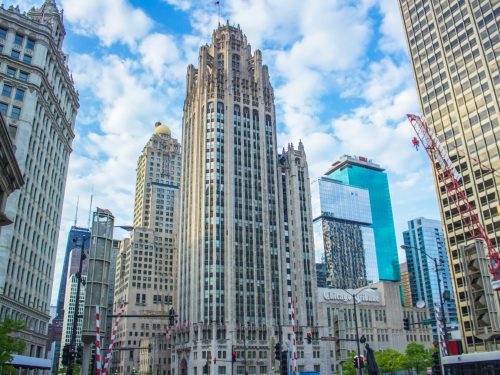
(361,173)
(343,237)
(427,235)
(78,233)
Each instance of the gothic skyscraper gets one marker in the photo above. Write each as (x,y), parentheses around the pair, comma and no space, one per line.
(237,262)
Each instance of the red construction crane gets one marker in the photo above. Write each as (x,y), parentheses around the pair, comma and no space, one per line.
(455,191)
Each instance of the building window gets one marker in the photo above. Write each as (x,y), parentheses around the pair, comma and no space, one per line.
(19,95)
(27,59)
(18,40)
(15,113)
(11,72)
(3,33)
(7,90)
(23,76)
(15,54)
(30,44)
(3,107)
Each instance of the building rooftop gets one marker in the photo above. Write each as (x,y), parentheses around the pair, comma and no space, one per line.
(348,160)
(161,129)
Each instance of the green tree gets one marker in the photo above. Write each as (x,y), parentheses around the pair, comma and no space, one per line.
(389,361)
(416,358)
(9,344)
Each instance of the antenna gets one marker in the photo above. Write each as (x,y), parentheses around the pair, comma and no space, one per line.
(217,4)
(76,212)
(90,207)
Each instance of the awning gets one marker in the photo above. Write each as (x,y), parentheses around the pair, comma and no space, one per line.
(30,362)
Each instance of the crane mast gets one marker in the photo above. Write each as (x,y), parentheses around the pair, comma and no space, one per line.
(452,180)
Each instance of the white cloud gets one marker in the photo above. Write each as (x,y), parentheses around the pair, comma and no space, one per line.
(158,53)
(110,20)
(180,4)
(392,27)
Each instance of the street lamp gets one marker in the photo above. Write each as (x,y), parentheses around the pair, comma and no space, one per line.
(359,370)
(443,316)
(76,314)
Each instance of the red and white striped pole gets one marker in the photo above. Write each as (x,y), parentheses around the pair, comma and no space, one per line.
(98,340)
(442,342)
(108,358)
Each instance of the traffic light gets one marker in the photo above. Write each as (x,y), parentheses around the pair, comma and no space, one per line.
(233,356)
(277,351)
(436,367)
(406,324)
(361,362)
(66,356)
(215,360)
(309,337)
(358,362)
(205,368)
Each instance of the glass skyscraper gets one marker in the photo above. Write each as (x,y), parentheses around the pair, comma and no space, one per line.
(427,235)
(343,235)
(70,266)
(362,173)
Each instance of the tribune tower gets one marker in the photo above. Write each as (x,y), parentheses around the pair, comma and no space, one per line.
(233,284)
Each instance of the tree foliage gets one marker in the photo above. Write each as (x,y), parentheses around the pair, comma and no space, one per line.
(9,344)
(416,358)
(389,361)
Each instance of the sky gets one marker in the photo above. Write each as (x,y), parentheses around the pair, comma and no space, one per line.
(340,71)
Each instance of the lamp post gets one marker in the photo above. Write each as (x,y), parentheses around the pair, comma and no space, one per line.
(359,370)
(76,314)
(441,302)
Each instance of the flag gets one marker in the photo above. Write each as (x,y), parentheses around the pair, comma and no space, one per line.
(42,13)
(167,335)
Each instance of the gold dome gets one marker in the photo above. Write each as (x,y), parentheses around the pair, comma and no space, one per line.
(161,129)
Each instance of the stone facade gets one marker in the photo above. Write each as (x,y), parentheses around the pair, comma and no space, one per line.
(380,319)
(40,104)
(146,262)
(242,254)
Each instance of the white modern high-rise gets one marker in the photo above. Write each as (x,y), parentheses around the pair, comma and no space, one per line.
(40,103)
(69,312)
(145,275)
(241,254)
(453,47)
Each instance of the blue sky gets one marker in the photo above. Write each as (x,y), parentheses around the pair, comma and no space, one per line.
(340,71)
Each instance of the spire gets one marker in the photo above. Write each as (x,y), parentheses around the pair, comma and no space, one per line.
(76,211)
(90,208)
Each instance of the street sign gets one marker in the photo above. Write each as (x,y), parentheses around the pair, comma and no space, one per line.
(427,322)
(329,338)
